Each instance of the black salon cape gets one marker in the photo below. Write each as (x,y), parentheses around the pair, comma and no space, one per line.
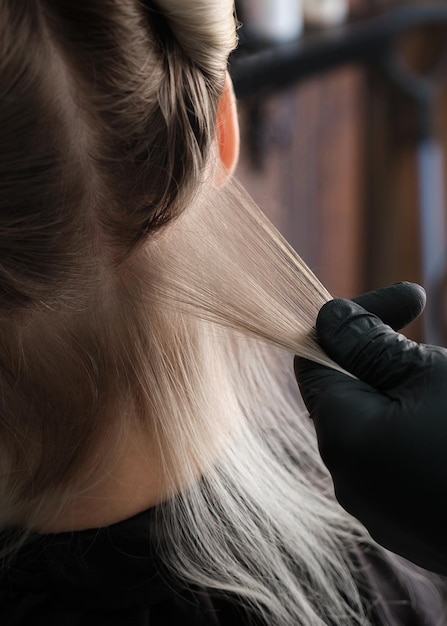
(112,576)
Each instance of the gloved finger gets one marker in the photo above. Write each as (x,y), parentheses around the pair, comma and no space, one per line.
(364,346)
(314,379)
(346,411)
(397,305)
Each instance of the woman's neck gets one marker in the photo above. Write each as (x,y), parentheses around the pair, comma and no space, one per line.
(134,485)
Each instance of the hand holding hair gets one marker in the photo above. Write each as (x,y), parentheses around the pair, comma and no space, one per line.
(383,436)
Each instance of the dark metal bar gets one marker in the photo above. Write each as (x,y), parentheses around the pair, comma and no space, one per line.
(258,69)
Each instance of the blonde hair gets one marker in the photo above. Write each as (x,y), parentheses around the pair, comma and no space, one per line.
(138,297)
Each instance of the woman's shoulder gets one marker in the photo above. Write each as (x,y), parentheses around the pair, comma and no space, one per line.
(116,575)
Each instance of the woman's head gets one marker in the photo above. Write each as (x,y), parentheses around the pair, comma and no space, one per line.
(124,261)
(107,130)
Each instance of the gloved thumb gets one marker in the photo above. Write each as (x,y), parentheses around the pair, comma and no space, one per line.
(396,305)
(364,346)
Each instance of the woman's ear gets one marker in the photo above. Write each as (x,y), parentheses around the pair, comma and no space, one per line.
(227,132)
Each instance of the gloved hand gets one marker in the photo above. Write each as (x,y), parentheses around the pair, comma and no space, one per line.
(383,437)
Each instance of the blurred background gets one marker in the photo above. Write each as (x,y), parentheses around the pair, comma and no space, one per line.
(343,113)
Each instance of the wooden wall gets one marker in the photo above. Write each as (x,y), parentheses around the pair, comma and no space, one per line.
(334,165)
(309,175)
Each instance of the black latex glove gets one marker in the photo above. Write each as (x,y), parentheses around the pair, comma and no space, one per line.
(383,437)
